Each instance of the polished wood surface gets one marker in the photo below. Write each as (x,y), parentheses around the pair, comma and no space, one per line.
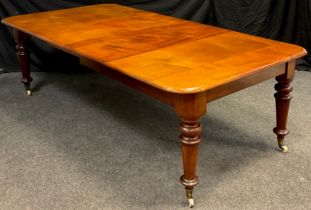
(165,52)
(181,63)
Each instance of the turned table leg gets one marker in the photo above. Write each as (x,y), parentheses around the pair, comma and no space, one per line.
(190,109)
(21,40)
(190,138)
(282,98)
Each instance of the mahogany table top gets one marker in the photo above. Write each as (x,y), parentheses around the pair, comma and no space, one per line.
(171,54)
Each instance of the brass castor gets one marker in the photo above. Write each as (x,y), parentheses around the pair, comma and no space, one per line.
(283,148)
(27,88)
(29,93)
(190,198)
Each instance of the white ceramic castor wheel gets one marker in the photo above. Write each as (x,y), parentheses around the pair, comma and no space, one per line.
(283,148)
(29,93)
(191,202)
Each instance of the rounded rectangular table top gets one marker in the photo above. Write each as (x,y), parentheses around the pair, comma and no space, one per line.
(168,53)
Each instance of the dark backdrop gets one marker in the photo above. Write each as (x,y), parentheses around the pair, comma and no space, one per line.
(286,20)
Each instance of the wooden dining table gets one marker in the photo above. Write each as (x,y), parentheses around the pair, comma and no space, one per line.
(181,63)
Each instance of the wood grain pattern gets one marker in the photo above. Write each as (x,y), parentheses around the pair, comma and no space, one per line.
(165,52)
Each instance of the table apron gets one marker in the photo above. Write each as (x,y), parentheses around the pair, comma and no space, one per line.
(168,97)
(244,82)
(164,96)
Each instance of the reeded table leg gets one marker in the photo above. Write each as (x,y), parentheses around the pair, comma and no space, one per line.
(23,57)
(282,97)
(190,108)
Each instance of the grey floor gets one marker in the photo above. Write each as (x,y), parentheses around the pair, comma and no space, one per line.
(85,142)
